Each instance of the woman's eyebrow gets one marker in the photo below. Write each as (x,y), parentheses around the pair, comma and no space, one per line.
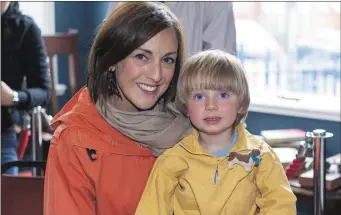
(170,53)
(150,52)
(145,50)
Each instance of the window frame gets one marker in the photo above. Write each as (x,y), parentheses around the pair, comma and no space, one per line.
(306,106)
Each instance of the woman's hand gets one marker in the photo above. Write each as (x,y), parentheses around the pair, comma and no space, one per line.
(7,94)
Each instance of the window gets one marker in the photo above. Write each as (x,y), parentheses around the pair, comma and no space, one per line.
(42,13)
(291,54)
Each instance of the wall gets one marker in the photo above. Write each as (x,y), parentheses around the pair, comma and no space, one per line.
(86,17)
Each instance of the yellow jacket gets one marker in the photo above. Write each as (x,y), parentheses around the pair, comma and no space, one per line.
(182,181)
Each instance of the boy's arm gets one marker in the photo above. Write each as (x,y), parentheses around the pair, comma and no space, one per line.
(276,196)
(158,195)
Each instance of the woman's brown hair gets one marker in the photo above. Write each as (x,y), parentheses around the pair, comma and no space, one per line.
(129,26)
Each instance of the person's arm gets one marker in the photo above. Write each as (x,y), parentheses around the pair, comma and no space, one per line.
(276,194)
(219,27)
(34,64)
(68,190)
(158,196)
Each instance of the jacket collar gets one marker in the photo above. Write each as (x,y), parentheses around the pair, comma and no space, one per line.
(80,111)
(80,104)
(246,142)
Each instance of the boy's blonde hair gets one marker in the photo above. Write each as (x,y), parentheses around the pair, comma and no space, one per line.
(213,69)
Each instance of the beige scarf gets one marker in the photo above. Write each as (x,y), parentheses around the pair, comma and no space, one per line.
(155,129)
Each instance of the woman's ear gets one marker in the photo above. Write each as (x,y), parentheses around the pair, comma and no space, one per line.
(112,68)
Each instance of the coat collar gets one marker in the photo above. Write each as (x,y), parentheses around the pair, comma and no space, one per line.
(80,112)
(246,142)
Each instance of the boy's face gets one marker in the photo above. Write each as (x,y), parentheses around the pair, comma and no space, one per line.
(213,111)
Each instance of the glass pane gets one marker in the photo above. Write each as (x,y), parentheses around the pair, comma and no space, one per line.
(290,46)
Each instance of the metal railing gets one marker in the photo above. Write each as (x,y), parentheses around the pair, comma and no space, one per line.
(39,116)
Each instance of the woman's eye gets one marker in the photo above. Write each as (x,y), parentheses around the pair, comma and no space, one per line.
(140,57)
(169,60)
(224,95)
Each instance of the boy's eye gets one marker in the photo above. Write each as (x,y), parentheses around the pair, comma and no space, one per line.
(224,95)
(198,96)
(141,57)
(169,60)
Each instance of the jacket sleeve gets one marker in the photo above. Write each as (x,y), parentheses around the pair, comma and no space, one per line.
(219,27)
(68,190)
(35,67)
(276,196)
(158,196)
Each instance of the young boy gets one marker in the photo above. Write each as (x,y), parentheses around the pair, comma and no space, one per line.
(220,168)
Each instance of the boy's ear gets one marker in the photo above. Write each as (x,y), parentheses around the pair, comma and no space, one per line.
(241,110)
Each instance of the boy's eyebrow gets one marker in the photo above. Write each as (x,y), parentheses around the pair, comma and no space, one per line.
(150,52)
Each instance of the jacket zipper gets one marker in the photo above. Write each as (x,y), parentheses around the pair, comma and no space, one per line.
(216,174)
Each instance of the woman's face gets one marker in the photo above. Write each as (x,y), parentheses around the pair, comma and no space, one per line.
(144,75)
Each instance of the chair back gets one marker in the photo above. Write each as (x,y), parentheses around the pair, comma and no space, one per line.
(63,44)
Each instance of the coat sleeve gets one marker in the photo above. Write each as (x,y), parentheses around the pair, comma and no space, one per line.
(219,27)
(158,196)
(35,68)
(68,190)
(276,196)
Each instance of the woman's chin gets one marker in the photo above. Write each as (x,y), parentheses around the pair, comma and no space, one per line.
(144,107)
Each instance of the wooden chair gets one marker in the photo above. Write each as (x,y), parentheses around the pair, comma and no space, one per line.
(63,44)
(22,194)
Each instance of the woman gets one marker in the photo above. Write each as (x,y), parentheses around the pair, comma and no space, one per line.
(107,136)
(23,56)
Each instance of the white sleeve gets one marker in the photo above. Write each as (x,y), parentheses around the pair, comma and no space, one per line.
(219,27)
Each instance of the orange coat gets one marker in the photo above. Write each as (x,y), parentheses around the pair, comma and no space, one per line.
(107,182)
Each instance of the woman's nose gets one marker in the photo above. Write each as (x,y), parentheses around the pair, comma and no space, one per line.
(155,72)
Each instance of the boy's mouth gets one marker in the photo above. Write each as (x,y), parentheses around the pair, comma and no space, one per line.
(212,120)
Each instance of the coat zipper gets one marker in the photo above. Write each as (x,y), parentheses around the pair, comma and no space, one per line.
(216,174)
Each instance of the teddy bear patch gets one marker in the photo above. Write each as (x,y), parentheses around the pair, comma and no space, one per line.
(245,160)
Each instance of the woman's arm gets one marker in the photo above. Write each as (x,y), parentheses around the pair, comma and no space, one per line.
(158,195)
(68,190)
(34,64)
(276,194)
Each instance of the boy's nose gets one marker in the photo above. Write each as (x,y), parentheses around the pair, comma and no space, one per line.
(211,104)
